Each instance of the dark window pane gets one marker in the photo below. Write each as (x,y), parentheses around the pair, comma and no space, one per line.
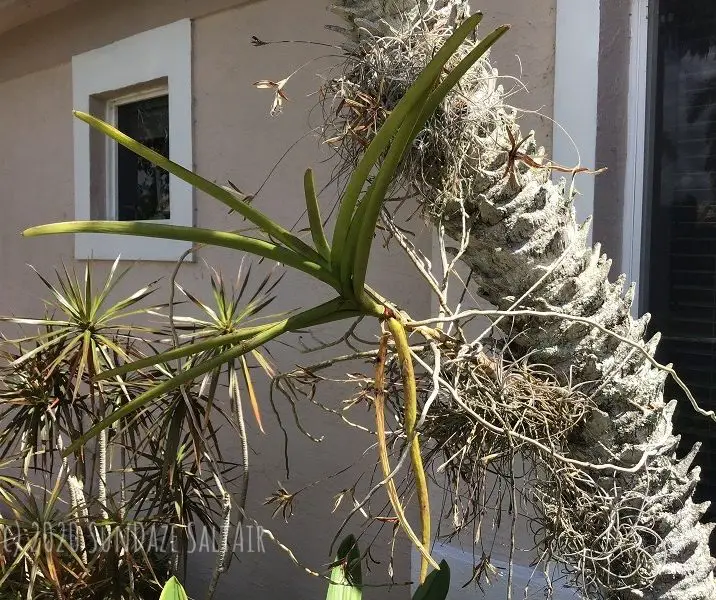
(682,270)
(142,188)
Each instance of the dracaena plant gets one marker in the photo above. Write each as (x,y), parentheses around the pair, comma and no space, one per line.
(48,389)
(228,314)
(340,264)
(52,550)
(33,546)
(82,535)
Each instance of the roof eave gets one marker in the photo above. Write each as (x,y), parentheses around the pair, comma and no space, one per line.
(14,13)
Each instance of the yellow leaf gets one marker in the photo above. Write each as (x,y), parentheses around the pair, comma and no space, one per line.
(252,394)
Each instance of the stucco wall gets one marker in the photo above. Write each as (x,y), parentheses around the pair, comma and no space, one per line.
(526,52)
(234,139)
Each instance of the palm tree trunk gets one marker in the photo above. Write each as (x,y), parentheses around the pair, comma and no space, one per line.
(520,225)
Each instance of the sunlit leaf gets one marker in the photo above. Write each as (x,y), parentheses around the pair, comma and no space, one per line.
(252,393)
(346,575)
(264,223)
(173,590)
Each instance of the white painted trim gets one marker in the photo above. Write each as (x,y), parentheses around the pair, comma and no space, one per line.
(632,222)
(162,53)
(576,84)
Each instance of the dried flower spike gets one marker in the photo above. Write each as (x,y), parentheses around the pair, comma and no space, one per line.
(279,94)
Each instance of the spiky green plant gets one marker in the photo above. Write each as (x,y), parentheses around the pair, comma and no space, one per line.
(82,538)
(84,325)
(36,408)
(228,315)
(38,556)
(178,491)
(48,386)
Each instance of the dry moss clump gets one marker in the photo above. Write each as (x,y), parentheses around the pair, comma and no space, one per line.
(445,163)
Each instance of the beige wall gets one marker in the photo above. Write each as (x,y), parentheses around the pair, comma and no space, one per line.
(527,52)
(234,139)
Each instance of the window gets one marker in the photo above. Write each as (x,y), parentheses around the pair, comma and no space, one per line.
(141,85)
(140,189)
(681,215)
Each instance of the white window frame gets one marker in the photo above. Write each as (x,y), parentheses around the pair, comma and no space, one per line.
(576,88)
(633,258)
(126,71)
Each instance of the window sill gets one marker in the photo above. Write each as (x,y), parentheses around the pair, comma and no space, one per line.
(103,246)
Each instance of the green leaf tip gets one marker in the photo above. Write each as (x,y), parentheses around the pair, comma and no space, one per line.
(346,575)
(173,590)
(436,585)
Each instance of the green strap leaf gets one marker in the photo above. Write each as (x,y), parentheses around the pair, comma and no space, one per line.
(209,344)
(349,250)
(362,234)
(266,225)
(314,216)
(197,235)
(333,310)
(184,377)
(409,129)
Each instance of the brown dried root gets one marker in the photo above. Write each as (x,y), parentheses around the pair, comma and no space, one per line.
(478,179)
(512,412)
(374,77)
(480,415)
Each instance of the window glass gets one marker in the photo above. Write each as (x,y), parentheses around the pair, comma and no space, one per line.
(142,188)
(682,260)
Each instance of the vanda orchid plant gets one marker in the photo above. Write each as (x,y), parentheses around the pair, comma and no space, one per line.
(342,264)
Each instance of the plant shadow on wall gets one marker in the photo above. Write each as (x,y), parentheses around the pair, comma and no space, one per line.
(466,410)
